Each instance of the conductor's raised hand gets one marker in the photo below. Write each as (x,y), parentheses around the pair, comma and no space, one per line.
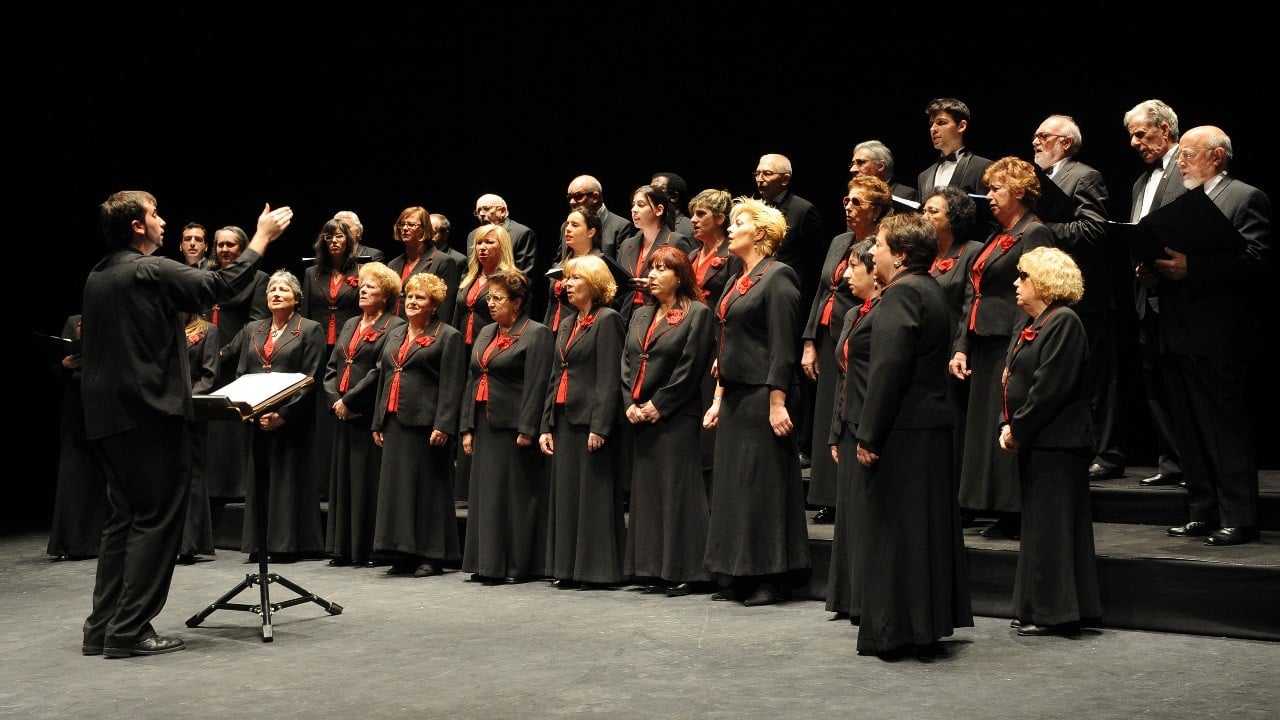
(271,224)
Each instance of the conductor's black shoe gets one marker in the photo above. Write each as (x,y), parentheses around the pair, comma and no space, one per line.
(1098,471)
(825,516)
(1160,479)
(1232,536)
(151,646)
(1195,528)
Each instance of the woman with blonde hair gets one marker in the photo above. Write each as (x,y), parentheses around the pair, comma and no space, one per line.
(757,543)
(350,388)
(1047,424)
(585,531)
(421,373)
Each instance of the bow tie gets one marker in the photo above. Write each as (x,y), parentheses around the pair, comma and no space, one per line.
(947,158)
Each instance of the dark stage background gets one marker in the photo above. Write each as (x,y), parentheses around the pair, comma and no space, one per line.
(217,112)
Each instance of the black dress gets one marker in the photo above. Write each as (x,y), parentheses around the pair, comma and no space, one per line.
(293,504)
(206,367)
(357,460)
(331,304)
(420,385)
(80,502)
(670,510)
(507,505)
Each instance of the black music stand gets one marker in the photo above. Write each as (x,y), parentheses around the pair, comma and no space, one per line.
(219,407)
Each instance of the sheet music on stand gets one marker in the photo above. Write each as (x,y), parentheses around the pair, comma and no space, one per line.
(248,396)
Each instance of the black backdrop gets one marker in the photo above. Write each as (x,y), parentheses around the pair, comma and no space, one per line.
(217,112)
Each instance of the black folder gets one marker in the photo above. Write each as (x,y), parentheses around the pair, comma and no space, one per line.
(1190,224)
(59,346)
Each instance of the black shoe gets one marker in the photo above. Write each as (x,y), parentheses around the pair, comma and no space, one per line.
(725,595)
(565,584)
(1195,528)
(1030,630)
(825,516)
(1232,536)
(187,559)
(91,648)
(805,461)
(340,561)
(427,570)
(1001,530)
(765,594)
(684,588)
(151,646)
(1015,623)
(1160,479)
(402,569)
(1098,471)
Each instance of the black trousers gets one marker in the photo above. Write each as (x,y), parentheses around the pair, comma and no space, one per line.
(148,473)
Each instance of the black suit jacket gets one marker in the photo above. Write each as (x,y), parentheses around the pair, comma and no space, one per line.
(1170,189)
(677,358)
(831,283)
(997,308)
(1209,313)
(1045,389)
(629,258)
(300,348)
(805,243)
(432,378)
(760,329)
(1083,234)
(517,375)
(968,175)
(134,342)
(593,368)
(362,383)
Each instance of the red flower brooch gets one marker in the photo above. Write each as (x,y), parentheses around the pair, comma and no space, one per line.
(744,285)
(1006,242)
(371,336)
(586,322)
(1028,334)
(945,265)
(425,340)
(193,339)
(557,287)
(674,316)
(717,261)
(353,281)
(866,307)
(505,341)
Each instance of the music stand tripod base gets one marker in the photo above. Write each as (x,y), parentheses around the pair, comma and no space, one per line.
(263,580)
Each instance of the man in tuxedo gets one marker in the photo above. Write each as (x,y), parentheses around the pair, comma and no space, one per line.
(1207,316)
(1077,218)
(1153,133)
(955,166)
(363,253)
(586,191)
(492,208)
(804,247)
(136,387)
(872,157)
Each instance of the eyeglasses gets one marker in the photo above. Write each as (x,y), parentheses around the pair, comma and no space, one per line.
(409,225)
(766,174)
(1044,136)
(1189,154)
(856,202)
(496,298)
(485,209)
(1022,275)
(578,196)
(329,238)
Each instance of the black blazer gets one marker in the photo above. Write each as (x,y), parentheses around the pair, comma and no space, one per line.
(300,348)
(134,342)
(524,245)
(315,304)
(760,329)
(805,243)
(717,276)
(1044,388)
(629,258)
(1209,312)
(469,318)
(831,282)
(1084,236)
(362,384)
(677,358)
(206,364)
(1170,189)
(853,360)
(593,367)
(432,378)
(910,336)
(517,378)
(997,308)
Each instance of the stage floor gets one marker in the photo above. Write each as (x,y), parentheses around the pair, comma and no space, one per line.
(442,647)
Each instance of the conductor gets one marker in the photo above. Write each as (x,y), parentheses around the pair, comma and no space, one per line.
(137,395)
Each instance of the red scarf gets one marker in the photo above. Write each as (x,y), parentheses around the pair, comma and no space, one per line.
(562,390)
(496,346)
(402,354)
(1004,242)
